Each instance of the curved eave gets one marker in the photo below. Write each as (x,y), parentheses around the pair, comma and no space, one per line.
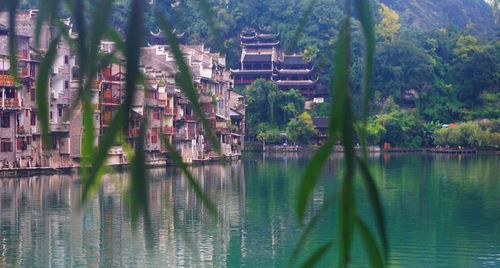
(260,44)
(295,82)
(292,71)
(251,71)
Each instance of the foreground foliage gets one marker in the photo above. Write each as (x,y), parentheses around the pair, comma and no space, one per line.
(92,23)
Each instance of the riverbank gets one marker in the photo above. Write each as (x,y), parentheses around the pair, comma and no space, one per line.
(34,171)
(259,147)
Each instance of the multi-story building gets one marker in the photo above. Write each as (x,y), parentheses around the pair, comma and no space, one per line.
(158,102)
(263,58)
(20,135)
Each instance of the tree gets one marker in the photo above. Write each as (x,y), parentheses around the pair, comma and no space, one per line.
(477,73)
(301,129)
(389,24)
(266,103)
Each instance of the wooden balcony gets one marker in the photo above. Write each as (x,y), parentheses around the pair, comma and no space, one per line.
(6,80)
(133,132)
(23,131)
(169,111)
(111,100)
(12,103)
(169,130)
(59,127)
(189,117)
(162,103)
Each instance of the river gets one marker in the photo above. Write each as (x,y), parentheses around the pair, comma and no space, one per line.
(441,210)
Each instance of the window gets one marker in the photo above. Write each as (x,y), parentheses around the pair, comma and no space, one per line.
(5,145)
(60,111)
(10,93)
(54,143)
(32,94)
(154,135)
(33,118)
(66,84)
(5,120)
(156,115)
(66,59)
(50,115)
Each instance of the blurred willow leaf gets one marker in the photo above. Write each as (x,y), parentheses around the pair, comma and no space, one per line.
(185,80)
(13,5)
(364,10)
(376,204)
(42,89)
(342,121)
(371,248)
(138,189)
(192,181)
(135,31)
(317,255)
(310,177)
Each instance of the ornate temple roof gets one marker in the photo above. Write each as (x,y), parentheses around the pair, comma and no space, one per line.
(257,57)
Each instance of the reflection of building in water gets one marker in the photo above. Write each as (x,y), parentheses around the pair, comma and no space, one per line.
(40,222)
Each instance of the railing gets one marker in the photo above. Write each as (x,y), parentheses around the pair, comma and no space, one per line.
(21,130)
(111,100)
(6,80)
(22,54)
(24,71)
(169,111)
(151,102)
(10,102)
(221,125)
(189,117)
(162,102)
(133,132)
(242,82)
(59,127)
(169,130)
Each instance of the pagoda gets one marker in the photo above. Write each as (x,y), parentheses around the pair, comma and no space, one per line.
(262,57)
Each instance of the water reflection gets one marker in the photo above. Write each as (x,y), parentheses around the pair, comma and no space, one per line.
(443,211)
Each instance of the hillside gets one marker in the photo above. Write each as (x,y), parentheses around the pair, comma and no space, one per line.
(461,14)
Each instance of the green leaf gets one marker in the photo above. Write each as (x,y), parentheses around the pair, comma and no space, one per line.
(340,82)
(310,177)
(138,189)
(371,248)
(317,255)
(42,90)
(185,80)
(364,10)
(13,5)
(134,35)
(376,204)
(341,122)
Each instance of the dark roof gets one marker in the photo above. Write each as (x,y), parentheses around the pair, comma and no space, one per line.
(320,122)
(257,57)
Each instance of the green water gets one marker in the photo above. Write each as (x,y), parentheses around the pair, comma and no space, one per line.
(442,211)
